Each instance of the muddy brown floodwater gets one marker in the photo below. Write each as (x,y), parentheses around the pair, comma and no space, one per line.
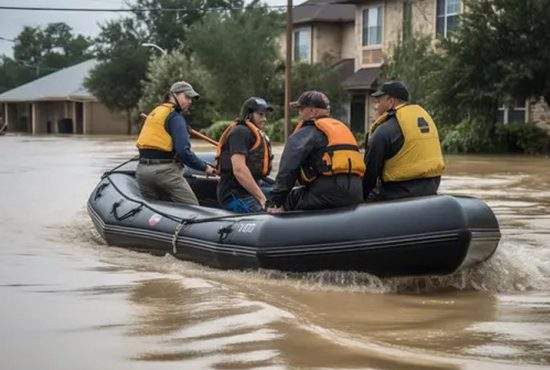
(71,302)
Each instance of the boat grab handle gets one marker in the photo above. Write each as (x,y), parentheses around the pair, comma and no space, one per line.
(130,213)
(100,190)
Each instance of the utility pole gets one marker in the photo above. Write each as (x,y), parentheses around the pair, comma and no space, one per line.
(288,67)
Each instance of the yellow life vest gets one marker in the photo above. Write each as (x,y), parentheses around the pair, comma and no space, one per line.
(420,156)
(259,158)
(340,156)
(153,134)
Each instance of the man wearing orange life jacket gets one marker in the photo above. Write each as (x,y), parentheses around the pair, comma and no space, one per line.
(323,155)
(244,157)
(403,154)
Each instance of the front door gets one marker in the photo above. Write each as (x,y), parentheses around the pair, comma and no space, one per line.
(357,114)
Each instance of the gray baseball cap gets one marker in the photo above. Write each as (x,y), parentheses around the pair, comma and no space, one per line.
(184,87)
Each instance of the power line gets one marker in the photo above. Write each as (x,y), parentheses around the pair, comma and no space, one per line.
(5,39)
(122,10)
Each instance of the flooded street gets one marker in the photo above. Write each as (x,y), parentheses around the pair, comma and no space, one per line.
(71,302)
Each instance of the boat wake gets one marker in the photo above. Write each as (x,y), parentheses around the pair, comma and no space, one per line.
(515,266)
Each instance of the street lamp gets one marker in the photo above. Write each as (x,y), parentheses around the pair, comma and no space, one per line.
(164,52)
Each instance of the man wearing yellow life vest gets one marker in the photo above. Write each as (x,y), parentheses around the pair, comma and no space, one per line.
(323,155)
(164,147)
(243,158)
(403,154)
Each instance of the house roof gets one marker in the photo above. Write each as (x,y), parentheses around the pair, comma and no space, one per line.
(323,11)
(363,79)
(65,84)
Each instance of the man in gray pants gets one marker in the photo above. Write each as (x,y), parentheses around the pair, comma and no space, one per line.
(164,146)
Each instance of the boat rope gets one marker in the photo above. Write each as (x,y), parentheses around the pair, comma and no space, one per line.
(112,170)
(176,235)
(190,220)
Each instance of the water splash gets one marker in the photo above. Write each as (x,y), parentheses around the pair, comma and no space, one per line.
(516,266)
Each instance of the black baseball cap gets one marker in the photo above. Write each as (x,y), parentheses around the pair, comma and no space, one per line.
(313,99)
(396,89)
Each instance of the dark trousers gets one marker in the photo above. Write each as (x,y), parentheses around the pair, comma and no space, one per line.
(326,192)
(405,189)
(164,182)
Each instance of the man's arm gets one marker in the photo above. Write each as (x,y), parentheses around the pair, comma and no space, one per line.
(375,155)
(383,144)
(245,178)
(177,128)
(297,148)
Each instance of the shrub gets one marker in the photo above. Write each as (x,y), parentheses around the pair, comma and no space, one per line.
(524,138)
(216,129)
(475,137)
(360,137)
(275,130)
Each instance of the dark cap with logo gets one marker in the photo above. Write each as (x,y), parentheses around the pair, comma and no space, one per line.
(396,89)
(313,99)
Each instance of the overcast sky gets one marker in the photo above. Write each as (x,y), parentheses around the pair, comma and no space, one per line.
(86,23)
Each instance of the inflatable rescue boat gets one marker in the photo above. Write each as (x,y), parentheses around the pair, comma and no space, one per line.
(433,235)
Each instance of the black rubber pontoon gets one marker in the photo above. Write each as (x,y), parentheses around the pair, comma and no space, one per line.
(421,236)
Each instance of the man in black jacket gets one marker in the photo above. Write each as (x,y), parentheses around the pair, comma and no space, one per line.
(323,155)
(403,154)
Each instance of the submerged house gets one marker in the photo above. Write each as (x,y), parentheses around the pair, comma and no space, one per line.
(59,104)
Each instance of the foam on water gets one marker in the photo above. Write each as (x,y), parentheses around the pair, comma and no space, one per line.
(516,266)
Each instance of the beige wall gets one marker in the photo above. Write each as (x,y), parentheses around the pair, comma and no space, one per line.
(423,21)
(327,41)
(335,40)
(348,42)
(423,17)
(100,120)
(393,23)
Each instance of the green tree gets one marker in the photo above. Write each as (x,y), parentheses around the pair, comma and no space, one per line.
(39,51)
(169,29)
(324,77)
(163,72)
(499,52)
(13,74)
(117,79)
(415,62)
(239,50)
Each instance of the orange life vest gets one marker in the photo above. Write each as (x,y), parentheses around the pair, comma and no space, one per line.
(340,156)
(259,157)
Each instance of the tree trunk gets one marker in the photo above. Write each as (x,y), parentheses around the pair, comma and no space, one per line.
(546,96)
(129,120)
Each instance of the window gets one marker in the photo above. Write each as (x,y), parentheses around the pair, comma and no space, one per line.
(372,26)
(302,45)
(447,16)
(515,114)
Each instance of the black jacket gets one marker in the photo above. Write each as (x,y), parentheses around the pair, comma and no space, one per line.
(300,148)
(384,143)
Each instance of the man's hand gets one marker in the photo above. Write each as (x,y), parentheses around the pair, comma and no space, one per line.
(210,170)
(275,210)
(262,201)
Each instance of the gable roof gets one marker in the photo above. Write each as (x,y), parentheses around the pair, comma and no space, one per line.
(65,84)
(323,11)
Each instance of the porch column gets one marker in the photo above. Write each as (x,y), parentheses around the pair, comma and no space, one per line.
(84,120)
(6,117)
(34,118)
(75,126)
